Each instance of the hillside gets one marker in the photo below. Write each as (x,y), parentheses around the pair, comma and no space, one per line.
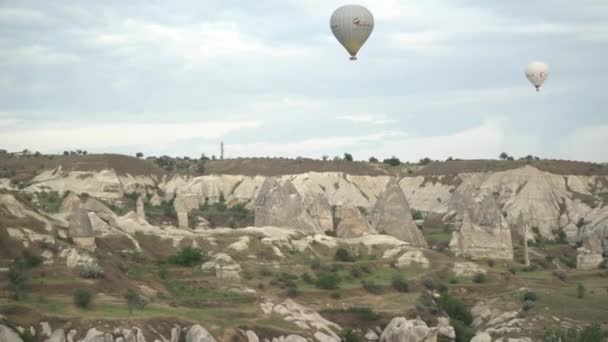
(300,250)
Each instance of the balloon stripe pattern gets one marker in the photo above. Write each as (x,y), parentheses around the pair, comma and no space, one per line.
(352,25)
(537,73)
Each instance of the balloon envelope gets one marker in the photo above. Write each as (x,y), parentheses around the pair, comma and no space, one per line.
(537,73)
(352,25)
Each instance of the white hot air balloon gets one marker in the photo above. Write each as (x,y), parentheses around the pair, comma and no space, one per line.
(352,25)
(537,73)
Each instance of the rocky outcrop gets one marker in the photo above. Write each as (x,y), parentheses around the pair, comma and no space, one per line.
(401,329)
(70,203)
(224,266)
(8,335)
(283,206)
(392,216)
(594,243)
(305,318)
(351,223)
(81,229)
(483,233)
(413,257)
(140,210)
(199,334)
(467,269)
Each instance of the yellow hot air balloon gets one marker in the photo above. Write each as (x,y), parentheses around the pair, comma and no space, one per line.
(352,25)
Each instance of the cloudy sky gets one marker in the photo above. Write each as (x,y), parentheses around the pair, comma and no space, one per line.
(437,78)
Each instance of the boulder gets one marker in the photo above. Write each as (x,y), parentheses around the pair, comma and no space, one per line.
(283,206)
(57,336)
(392,216)
(351,223)
(251,336)
(224,267)
(371,335)
(199,334)
(94,335)
(304,317)
(8,335)
(483,233)
(482,337)
(467,269)
(404,330)
(413,257)
(445,329)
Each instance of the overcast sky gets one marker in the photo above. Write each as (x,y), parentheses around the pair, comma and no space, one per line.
(437,78)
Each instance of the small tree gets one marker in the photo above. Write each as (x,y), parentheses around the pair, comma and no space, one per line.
(82,298)
(66,153)
(17,280)
(580,290)
(139,155)
(373,159)
(425,161)
(504,156)
(131,297)
(348,157)
(325,157)
(393,161)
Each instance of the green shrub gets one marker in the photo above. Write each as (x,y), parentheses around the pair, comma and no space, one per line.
(527,305)
(417,215)
(491,263)
(187,257)
(82,298)
(307,278)
(400,284)
(265,272)
(335,295)
(30,260)
(135,300)
(356,271)
(343,255)
(366,269)
(464,333)
(327,281)
(429,283)
(351,336)
(480,278)
(512,269)
(455,309)
(580,290)
(529,295)
(371,287)
(17,280)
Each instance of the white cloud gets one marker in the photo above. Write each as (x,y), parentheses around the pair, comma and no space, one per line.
(194,45)
(36,55)
(379,119)
(103,135)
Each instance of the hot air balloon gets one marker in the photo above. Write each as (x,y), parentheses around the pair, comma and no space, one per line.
(537,73)
(352,25)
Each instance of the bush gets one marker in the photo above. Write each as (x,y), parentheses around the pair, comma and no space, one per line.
(455,309)
(464,333)
(356,271)
(82,298)
(351,336)
(417,215)
(307,278)
(371,287)
(327,281)
(527,305)
(480,278)
(91,270)
(429,283)
(529,295)
(559,274)
(343,255)
(187,257)
(366,269)
(512,269)
(394,161)
(491,263)
(400,284)
(135,300)
(30,260)
(335,295)
(580,290)
(330,232)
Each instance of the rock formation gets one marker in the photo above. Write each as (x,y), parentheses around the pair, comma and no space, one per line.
(401,329)
(483,233)
(81,229)
(140,210)
(283,206)
(351,223)
(392,216)
(594,243)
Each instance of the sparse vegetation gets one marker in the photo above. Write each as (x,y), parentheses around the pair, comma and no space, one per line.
(82,298)
(591,333)
(187,257)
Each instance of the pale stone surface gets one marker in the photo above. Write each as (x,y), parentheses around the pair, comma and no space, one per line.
(199,334)
(483,232)
(392,216)
(413,257)
(141,212)
(467,269)
(427,195)
(401,329)
(8,335)
(304,317)
(224,266)
(482,337)
(351,223)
